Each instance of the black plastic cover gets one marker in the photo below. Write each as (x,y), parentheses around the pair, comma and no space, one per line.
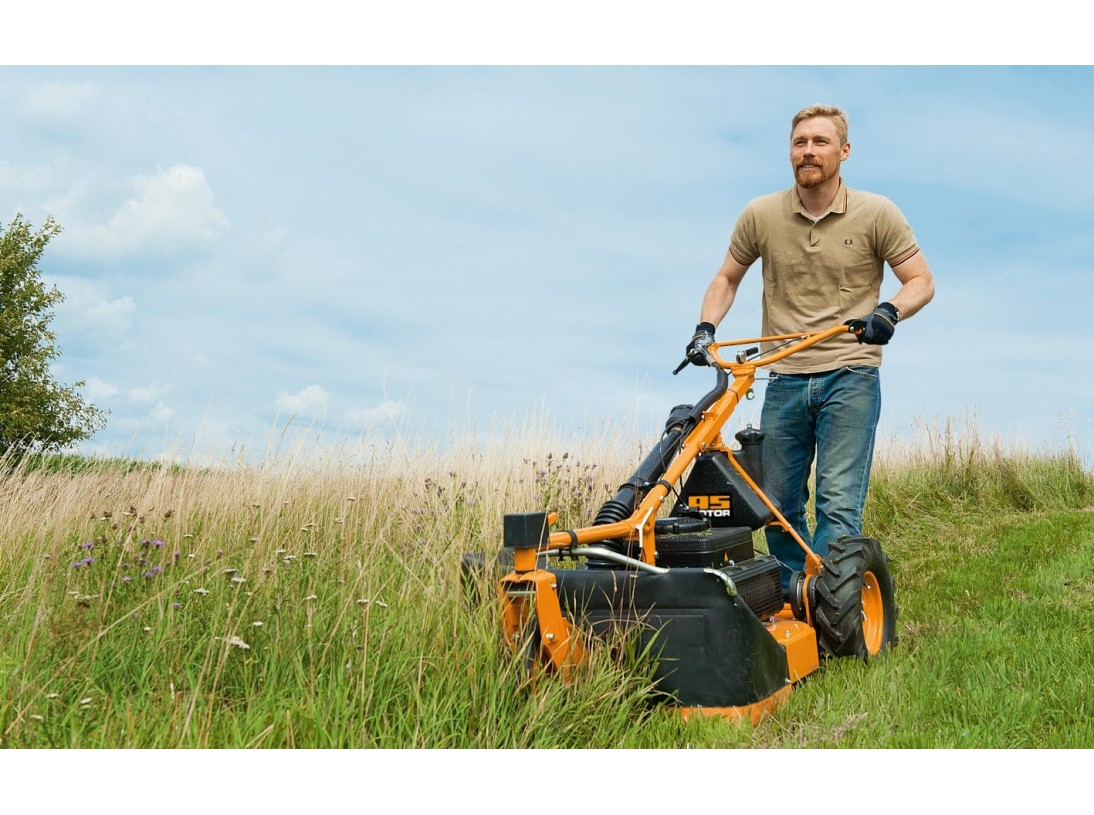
(524,530)
(708,648)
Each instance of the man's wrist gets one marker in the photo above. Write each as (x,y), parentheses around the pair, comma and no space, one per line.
(891,311)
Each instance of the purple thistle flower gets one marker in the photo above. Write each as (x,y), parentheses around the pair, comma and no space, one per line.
(127,579)
(157,543)
(87,544)
(146,543)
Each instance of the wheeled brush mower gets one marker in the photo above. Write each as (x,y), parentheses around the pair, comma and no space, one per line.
(725,636)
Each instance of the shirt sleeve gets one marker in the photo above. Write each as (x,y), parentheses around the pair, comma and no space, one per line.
(895,239)
(743,244)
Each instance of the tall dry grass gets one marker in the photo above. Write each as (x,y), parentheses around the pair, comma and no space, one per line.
(300,602)
(316,602)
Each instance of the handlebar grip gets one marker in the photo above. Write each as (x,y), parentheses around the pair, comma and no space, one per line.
(681,366)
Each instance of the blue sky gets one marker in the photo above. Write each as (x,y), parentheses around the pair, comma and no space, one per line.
(447,249)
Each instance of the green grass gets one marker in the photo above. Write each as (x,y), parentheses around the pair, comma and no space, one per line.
(297,606)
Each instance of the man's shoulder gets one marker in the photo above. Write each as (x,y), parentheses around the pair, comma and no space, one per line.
(869,200)
(770,201)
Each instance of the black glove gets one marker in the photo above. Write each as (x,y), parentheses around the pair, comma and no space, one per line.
(878,327)
(696,350)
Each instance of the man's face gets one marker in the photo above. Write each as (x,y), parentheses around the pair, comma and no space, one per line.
(815,151)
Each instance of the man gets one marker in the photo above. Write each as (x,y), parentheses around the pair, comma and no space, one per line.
(823,248)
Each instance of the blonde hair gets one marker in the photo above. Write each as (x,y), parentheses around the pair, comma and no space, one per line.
(838,117)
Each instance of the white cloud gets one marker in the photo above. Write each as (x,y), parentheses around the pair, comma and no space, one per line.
(89,306)
(148,394)
(97,390)
(162,412)
(386,411)
(172,210)
(58,101)
(24,184)
(309,401)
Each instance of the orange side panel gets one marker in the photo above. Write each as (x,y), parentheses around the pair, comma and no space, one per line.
(800,641)
(756,711)
(533,594)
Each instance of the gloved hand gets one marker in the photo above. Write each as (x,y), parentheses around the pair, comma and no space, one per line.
(696,350)
(877,328)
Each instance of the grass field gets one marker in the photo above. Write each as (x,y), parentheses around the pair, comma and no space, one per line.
(319,606)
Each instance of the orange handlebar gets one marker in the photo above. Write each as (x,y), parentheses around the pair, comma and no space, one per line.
(766,358)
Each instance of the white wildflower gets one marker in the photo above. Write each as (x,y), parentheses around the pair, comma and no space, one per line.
(238,643)
(52,695)
(312,597)
(202,592)
(311,554)
(238,579)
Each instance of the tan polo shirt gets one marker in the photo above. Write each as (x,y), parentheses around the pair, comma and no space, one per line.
(821,274)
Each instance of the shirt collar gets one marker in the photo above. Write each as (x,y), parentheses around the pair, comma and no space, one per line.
(837,207)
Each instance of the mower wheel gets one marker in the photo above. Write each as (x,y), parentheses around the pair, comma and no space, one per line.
(854,600)
(530,646)
(479,573)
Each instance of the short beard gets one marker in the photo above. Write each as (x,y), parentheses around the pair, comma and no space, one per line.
(810,180)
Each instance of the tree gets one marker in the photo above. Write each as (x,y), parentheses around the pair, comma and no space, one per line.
(36,413)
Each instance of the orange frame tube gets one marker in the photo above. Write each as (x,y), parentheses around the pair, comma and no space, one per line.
(706,435)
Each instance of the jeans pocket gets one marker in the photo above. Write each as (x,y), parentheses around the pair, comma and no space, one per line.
(865,371)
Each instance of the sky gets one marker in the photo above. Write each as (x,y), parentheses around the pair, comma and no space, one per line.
(348,253)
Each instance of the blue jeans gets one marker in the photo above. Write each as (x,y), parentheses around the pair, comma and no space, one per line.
(831,418)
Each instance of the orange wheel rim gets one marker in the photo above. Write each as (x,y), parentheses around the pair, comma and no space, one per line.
(873,613)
